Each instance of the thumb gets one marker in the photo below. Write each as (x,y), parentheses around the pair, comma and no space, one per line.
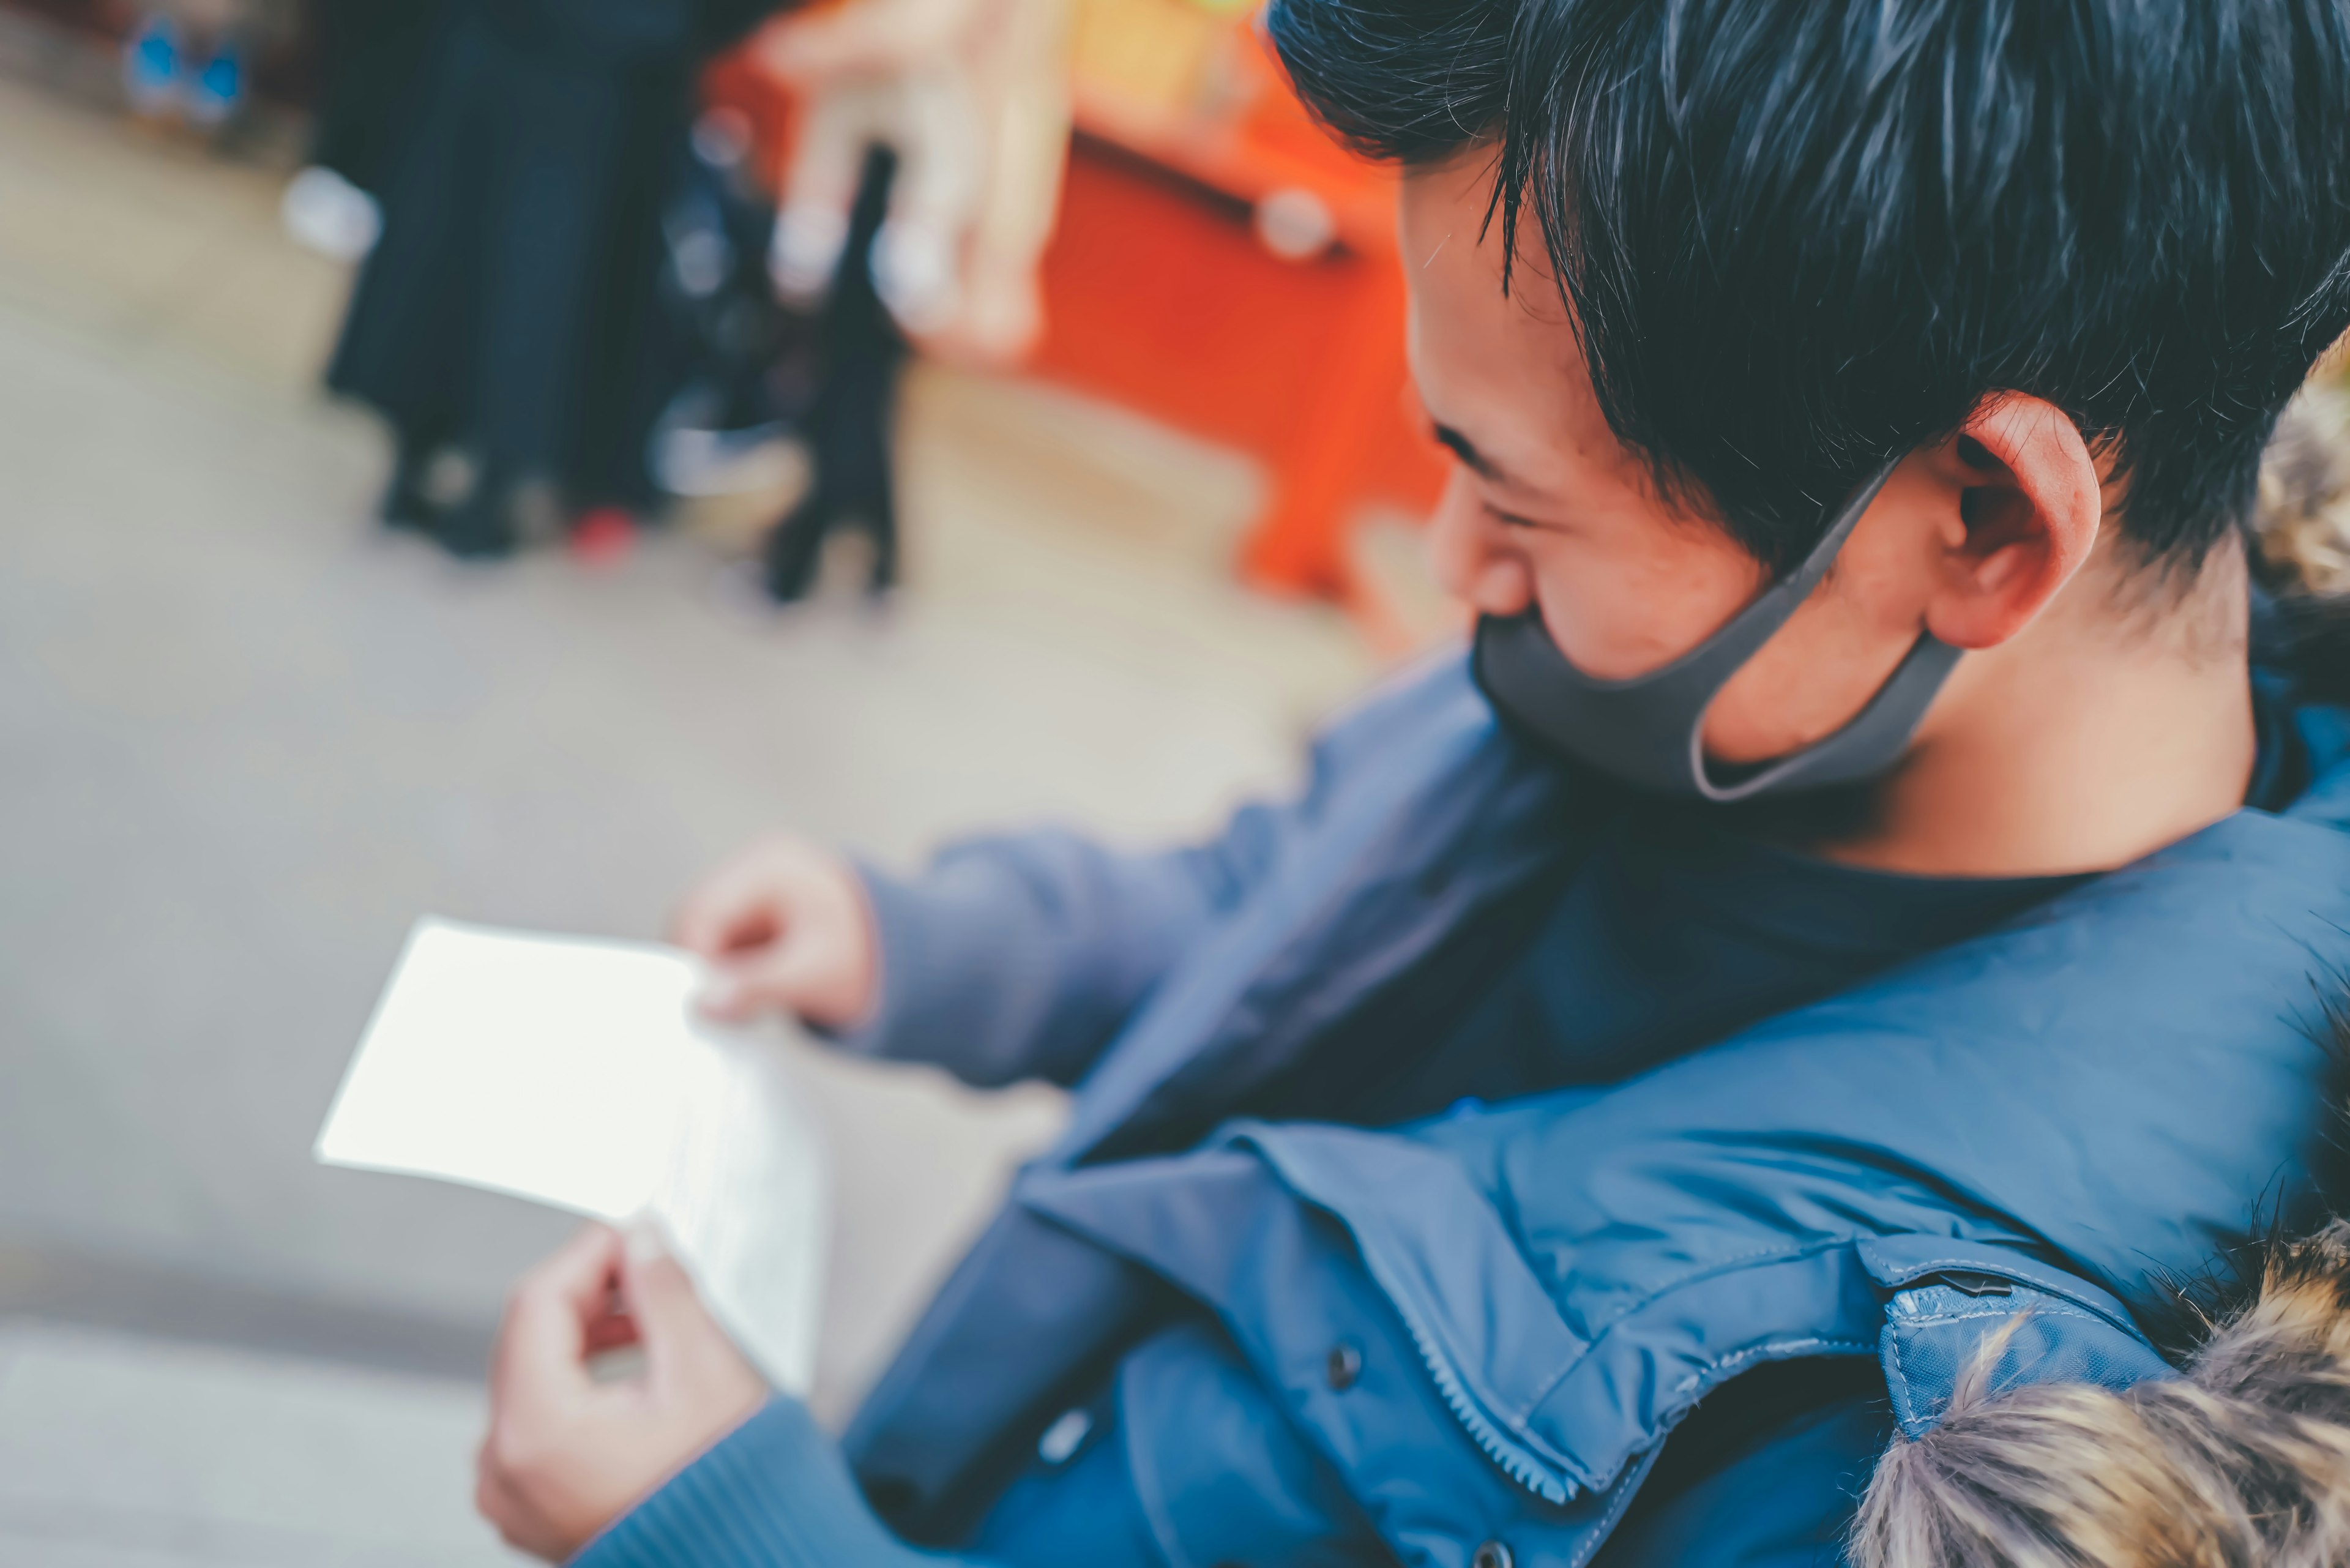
(725,995)
(778,977)
(737,990)
(671,1321)
(545,1332)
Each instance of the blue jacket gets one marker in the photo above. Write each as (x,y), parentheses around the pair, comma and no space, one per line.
(2053,1115)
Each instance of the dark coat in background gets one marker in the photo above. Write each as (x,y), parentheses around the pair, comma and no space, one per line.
(510,307)
(372,54)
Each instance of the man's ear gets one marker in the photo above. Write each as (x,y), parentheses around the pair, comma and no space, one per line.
(2025,505)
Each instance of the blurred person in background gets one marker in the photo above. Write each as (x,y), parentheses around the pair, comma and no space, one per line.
(501,324)
(1856,895)
(370,56)
(858,353)
(926,154)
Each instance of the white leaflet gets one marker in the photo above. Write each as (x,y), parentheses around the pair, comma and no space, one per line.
(577,1072)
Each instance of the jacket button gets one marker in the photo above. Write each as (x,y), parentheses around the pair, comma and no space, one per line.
(1064,1436)
(1344,1366)
(1492,1555)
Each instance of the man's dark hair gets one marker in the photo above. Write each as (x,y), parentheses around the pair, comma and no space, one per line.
(1800,236)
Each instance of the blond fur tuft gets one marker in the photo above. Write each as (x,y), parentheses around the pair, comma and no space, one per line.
(2244,1462)
(2304,517)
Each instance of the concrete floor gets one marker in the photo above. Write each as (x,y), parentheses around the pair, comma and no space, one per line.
(143,1453)
(244,740)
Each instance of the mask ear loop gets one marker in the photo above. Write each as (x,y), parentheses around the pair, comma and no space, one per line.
(1648,730)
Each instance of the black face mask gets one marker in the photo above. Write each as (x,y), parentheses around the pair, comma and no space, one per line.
(1648,730)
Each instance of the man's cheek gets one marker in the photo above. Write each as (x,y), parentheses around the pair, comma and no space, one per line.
(1611,623)
(1807,683)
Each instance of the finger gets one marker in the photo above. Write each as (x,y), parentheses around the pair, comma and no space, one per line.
(671,1318)
(578,1272)
(731,903)
(740,989)
(732,908)
(546,1335)
(614,1331)
(728,998)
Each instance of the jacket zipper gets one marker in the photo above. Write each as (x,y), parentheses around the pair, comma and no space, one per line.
(1517,1461)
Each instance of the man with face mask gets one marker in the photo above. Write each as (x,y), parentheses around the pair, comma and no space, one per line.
(1864,867)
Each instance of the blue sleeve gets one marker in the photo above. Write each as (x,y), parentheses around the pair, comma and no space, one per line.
(1785,1499)
(1021,956)
(774,1493)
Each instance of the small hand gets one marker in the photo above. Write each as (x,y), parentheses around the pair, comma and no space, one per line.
(787,928)
(566,1454)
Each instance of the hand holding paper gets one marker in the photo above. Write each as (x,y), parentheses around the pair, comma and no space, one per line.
(568,1450)
(578,1074)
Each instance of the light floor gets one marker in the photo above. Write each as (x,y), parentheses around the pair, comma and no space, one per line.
(244,740)
(143,1453)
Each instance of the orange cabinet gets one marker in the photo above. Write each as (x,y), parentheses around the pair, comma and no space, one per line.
(1223,265)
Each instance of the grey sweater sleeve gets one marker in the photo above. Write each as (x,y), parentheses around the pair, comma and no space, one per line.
(1020,957)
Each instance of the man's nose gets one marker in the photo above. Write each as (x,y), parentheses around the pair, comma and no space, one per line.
(1473,556)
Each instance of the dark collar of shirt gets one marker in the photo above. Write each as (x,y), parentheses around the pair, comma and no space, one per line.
(1686,924)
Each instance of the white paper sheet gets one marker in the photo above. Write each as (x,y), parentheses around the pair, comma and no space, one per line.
(577,1072)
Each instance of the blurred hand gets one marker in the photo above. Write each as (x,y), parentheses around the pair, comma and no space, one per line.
(787,928)
(567,1454)
(974,98)
(868,37)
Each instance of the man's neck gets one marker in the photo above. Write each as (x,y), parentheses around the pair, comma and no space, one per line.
(2102,733)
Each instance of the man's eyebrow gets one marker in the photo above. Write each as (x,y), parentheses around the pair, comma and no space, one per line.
(1476,462)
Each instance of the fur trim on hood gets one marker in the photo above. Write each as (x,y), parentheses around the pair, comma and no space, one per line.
(2303,518)
(2243,1461)
(2301,530)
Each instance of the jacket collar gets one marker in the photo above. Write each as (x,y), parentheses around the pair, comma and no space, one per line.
(2104,1089)
(1455,816)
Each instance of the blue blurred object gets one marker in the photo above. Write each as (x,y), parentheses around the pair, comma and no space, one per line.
(215,89)
(151,66)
